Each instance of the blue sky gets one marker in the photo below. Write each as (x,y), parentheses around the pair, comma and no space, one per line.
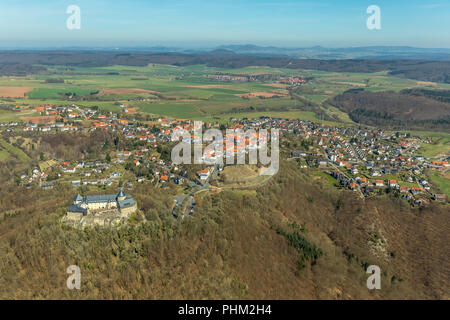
(193,23)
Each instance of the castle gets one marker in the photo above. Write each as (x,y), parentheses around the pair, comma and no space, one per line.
(117,205)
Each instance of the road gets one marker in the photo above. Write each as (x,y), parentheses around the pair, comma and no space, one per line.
(357,186)
(180,200)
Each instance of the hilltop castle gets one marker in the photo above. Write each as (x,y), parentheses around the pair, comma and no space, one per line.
(100,208)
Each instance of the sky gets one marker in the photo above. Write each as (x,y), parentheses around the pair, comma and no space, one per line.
(208,23)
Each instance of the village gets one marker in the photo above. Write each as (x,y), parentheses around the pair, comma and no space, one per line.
(370,162)
(290,80)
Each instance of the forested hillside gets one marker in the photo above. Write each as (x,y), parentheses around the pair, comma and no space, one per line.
(295,237)
(413,109)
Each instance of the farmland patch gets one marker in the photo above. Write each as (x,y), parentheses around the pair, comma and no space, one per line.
(117,91)
(210,86)
(262,94)
(14,92)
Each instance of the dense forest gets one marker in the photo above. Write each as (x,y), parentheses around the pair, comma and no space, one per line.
(19,69)
(438,95)
(295,237)
(412,109)
(437,71)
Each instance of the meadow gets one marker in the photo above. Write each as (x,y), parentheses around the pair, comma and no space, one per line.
(7,150)
(440,143)
(442,182)
(7,116)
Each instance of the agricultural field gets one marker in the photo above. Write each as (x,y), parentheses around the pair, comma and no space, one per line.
(186,92)
(57,93)
(7,116)
(13,91)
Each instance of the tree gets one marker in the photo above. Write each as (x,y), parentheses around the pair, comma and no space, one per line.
(306,144)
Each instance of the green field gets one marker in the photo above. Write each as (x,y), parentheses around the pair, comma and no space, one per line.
(186,92)
(325,177)
(54,93)
(7,116)
(442,183)
(440,144)
(4,155)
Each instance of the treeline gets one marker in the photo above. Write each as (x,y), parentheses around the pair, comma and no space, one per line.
(438,71)
(54,80)
(438,95)
(19,69)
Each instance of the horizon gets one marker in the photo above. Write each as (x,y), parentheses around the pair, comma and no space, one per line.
(201,23)
(207,47)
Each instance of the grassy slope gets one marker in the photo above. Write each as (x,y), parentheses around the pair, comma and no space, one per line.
(14,150)
(442,182)
(440,143)
(4,155)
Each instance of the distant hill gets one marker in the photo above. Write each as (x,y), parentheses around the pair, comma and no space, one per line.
(312,52)
(221,53)
(369,52)
(437,71)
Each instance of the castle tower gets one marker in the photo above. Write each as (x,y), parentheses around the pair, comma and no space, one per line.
(77,199)
(120,196)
